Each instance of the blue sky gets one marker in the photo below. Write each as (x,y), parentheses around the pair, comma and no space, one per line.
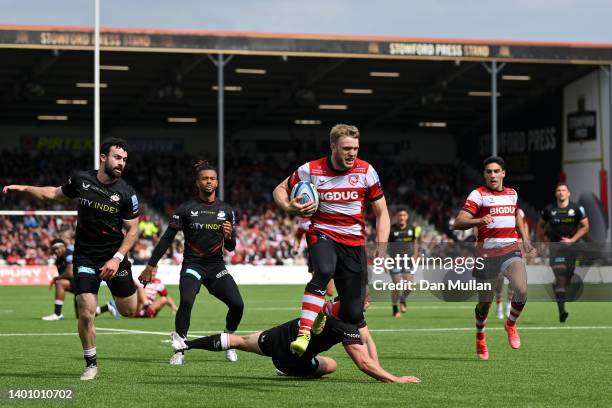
(560,20)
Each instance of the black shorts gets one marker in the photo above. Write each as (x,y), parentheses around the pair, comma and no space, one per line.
(562,259)
(205,274)
(274,343)
(494,265)
(407,270)
(347,266)
(349,261)
(87,280)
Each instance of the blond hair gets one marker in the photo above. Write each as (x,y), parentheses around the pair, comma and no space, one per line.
(342,130)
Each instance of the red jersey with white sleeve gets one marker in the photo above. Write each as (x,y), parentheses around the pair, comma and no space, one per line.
(153,288)
(342,198)
(499,237)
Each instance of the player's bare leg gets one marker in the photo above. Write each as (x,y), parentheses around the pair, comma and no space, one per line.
(218,342)
(499,288)
(396,278)
(516,273)
(481,312)
(61,285)
(407,277)
(87,332)
(127,305)
(561,281)
(330,289)
(158,304)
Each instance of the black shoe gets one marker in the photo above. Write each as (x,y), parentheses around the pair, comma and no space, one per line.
(563,317)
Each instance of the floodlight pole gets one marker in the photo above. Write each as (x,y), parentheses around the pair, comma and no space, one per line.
(220,62)
(608,72)
(96,148)
(494,70)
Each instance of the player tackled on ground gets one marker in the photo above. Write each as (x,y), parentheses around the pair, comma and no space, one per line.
(492,208)
(149,304)
(106,204)
(336,236)
(326,333)
(208,226)
(564,223)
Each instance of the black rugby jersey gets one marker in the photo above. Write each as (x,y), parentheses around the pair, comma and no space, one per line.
(62,262)
(562,222)
(334,332)
(101,211)
(403,239)
(202,225)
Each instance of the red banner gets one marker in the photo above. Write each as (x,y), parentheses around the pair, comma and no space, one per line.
(26,275)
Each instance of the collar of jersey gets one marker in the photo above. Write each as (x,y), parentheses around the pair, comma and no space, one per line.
(206,203)
(330,165)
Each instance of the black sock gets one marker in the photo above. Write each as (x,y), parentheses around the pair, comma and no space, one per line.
(210,343)
(395,309)
(104,309)
(58,309)
(90,358)
(560,298)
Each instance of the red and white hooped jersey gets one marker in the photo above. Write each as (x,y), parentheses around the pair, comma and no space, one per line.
(153,288)
(342,198)
(499,237)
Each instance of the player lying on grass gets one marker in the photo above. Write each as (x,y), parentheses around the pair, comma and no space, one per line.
(326,333)
(149,304)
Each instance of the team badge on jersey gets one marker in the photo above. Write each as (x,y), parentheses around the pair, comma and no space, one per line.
(221,215)
(353,179)
(114,198)
(86,185)
(571,212)
(194,213)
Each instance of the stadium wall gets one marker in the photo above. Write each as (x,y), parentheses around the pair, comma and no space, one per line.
(272,275)
(586,142)
(401,146)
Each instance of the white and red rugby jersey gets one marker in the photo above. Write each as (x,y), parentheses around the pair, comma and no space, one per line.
(153,288)
(499,237)
(342,198)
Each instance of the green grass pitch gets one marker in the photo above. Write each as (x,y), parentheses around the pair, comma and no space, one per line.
(558,365)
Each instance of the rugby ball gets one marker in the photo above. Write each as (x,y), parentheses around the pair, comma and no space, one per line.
(308,192)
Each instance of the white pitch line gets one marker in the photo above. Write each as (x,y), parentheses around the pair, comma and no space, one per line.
(48,334)
(425,329)
(450,329)
(410,307)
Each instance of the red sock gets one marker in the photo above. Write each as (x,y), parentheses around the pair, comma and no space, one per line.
(515,311)
(311,307)
(481,322)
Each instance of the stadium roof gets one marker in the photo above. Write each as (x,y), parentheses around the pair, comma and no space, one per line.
(153,75)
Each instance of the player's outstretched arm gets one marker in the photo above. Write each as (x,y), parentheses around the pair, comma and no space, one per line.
(171,304)
(367,339)
(361,358)
(40,193)
(160,249)
(369,342)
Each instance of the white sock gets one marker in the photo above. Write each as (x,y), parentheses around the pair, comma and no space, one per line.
(225,341)
(59,302)
(90,352)
(98,310)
